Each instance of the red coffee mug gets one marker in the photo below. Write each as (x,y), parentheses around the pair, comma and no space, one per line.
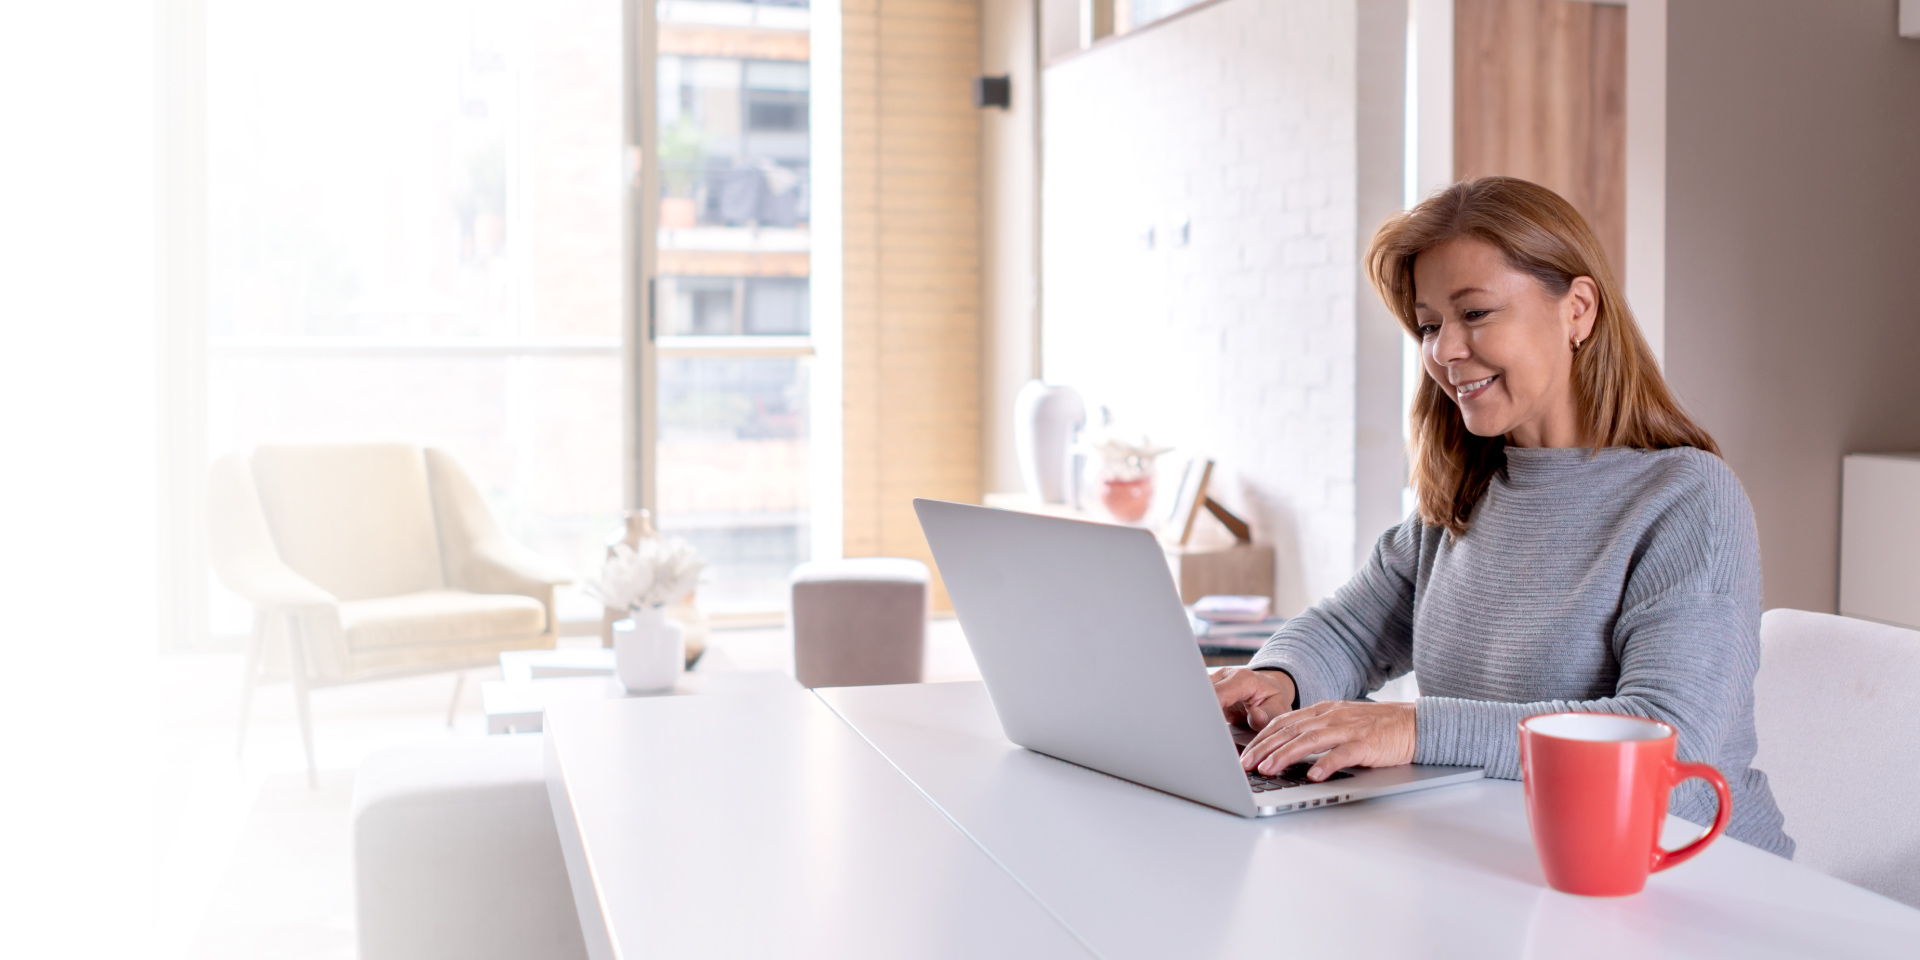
(1597,788)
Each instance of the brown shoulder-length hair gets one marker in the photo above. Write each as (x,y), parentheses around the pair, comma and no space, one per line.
(1624,402)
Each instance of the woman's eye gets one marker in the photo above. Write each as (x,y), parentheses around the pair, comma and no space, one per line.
(1474,314)
(1428,330)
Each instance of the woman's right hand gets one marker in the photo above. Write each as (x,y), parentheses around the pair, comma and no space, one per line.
(1253,697)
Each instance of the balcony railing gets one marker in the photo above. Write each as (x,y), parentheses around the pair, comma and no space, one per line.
(761,196)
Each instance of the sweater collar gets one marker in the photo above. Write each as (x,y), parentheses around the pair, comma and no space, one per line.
(1532,466)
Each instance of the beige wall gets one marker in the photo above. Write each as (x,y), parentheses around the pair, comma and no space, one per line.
(1009,212)
(1793,239)
(1379,450)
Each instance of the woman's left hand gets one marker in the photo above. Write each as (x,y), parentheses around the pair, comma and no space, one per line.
(1353,733)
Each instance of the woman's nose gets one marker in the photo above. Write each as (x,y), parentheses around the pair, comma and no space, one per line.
(1450,344)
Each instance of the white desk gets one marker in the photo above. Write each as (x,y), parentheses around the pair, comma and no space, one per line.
(1448,872)
(762,826)
(845,854)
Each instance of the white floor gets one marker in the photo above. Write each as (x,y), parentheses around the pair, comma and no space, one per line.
(253,863)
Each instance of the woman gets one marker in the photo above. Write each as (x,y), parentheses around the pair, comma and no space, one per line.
(1579,545)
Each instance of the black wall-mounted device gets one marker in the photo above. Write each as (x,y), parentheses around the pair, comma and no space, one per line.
(993,92)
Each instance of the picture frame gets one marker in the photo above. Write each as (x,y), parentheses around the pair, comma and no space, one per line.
(1188,499)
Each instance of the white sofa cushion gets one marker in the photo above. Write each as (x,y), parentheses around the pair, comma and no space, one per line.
(439,618)
(355,519)
(456,855)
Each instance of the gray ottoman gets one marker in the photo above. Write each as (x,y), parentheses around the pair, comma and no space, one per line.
(859,621)
(455,855)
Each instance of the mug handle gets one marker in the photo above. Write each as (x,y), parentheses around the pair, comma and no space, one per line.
(1663,858)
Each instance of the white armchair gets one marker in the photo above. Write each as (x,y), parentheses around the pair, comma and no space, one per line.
(369,561)
(1837,709)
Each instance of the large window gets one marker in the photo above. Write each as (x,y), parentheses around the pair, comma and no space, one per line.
(416,235)
(732,322)
(733,306)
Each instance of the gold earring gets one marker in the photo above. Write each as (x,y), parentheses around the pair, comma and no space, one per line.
(1576,345)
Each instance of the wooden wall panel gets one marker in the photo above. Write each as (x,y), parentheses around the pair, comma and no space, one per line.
(912,268)
(1540,92)
(1608,181)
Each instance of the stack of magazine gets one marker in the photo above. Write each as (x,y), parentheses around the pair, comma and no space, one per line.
(1224,639)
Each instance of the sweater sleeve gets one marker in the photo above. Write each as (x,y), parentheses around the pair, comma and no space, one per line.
(1687,642)
(1356,640)
(1675,662)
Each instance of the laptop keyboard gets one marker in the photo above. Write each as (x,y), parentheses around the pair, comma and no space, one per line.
(1293,776)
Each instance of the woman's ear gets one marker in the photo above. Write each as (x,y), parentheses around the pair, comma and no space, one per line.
(1580,308)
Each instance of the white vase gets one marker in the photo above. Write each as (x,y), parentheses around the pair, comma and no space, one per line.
(649,651)
(1045,420)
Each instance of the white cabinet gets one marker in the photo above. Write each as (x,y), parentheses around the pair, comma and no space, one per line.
(1880,537)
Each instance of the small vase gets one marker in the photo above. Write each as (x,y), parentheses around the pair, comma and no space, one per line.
(1127,500)
(649,651)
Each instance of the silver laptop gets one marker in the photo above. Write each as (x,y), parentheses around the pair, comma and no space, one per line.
(1089,658)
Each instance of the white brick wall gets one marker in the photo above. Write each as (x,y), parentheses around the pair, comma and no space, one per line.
(1238,119)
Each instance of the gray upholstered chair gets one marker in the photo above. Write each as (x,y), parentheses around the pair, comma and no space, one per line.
(1837,708)
(369,561)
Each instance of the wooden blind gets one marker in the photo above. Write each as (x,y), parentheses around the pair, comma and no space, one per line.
(912,268)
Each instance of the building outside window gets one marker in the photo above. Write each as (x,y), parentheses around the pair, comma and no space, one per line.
(733,330)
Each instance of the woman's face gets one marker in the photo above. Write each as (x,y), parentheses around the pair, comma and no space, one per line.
(1499,344)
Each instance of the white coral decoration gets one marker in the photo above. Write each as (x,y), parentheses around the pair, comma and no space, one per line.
(660,570)
(1125,458)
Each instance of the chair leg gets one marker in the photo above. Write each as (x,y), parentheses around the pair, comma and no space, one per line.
(248,682)
(459,684)
(297,670)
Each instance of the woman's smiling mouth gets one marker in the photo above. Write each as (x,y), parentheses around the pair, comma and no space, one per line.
(1467,391)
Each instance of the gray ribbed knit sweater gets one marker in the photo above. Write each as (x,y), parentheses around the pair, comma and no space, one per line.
(1627,582)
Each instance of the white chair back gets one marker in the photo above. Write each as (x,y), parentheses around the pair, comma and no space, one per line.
(1837,708)
(356,519)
